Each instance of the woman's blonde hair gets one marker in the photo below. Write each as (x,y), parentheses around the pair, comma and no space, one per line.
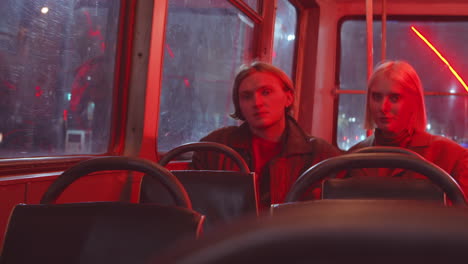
(404,75)
(257,66)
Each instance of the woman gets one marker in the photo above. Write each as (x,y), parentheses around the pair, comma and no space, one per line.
(396,110)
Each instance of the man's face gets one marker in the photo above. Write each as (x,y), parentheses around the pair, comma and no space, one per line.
(262,100)
(390,106)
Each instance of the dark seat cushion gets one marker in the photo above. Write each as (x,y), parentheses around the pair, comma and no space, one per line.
(219,195)
(94,232)
(382,188)
(336,231)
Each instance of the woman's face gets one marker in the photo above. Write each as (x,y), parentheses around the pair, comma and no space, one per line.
(391,106)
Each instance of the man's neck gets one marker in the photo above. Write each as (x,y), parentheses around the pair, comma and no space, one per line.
(272,133)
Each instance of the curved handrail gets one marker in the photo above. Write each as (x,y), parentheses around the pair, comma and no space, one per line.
(387,149)
(118,163)
(206,146)
(378,160)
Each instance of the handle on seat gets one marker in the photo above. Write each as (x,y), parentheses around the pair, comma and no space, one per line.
(206,146)
(377,160)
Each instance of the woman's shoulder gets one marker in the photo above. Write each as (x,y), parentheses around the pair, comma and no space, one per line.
(440,148)
(445,144)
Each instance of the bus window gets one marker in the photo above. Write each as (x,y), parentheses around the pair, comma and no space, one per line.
(254,4)
(200,63)
(56,72)
(445,96)
(285,35)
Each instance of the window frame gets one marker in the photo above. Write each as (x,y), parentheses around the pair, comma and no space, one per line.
(121,83)
(407,17)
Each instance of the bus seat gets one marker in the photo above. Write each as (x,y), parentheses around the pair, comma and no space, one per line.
(434,174)
(371,187)
(336,231)
(381,188)
(98,232)
(219,195)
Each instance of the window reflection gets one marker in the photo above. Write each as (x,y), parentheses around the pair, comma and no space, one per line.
(351,110)
(200,64)
(285,37)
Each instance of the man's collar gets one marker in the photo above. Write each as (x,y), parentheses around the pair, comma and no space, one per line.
(293,140)
(243,137)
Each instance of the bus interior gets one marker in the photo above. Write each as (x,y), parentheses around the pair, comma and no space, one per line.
(102,103)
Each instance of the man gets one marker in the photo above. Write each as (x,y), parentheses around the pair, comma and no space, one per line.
(270,140)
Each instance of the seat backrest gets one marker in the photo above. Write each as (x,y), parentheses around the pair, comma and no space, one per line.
(382,188)
(336,231)
(322,170)
(94,232)
(219,195)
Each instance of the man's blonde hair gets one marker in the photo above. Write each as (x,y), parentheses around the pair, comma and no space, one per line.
(248,69)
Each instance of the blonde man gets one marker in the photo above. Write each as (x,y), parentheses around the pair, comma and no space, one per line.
(269,139)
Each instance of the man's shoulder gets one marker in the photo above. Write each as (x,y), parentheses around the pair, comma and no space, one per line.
(320,145)
(316,141)
(221,135)
(301,142)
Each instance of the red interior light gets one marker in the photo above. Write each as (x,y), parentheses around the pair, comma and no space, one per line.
(429,44)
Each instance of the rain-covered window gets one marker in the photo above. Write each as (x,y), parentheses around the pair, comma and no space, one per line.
(56,72)
(284,42)
(206,42)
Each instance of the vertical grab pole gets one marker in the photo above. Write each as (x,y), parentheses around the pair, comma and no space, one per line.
(370,39)
(384,29)
(370,48)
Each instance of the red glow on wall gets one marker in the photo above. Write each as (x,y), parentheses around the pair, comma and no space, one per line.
(434,49)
